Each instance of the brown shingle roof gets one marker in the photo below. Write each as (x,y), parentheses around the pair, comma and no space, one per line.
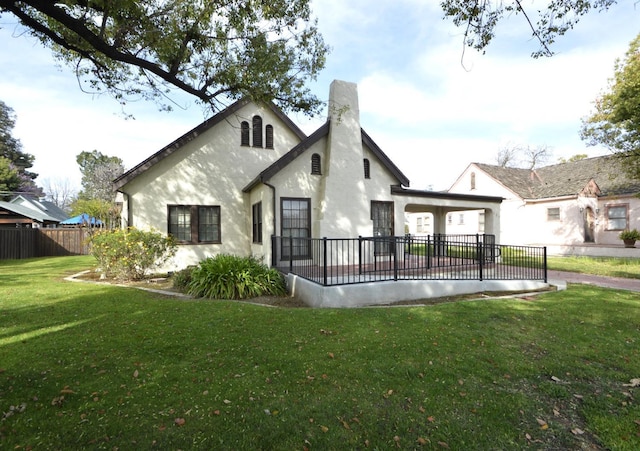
(565,179)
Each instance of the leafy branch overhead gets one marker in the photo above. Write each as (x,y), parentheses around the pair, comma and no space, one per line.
(216,51)
(479,18)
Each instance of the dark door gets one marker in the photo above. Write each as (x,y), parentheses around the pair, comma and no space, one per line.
(382,216)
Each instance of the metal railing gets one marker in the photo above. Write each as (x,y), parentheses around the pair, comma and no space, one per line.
(340,261)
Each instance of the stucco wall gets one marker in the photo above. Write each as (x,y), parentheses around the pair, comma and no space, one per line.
(211,169)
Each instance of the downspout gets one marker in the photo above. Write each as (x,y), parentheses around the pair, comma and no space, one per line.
(273,190)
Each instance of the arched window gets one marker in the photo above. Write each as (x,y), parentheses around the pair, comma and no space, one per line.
(367,169)
(268,136)
(316,167)
(257,131)
(244,133)
(473,180)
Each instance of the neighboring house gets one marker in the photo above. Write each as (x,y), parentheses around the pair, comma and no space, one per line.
(566,204)
(249,173)
(25,211)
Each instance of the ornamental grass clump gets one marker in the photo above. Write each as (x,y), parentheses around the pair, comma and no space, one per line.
(232,277)
(129,254)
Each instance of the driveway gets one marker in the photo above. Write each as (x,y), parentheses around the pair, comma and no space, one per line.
(620,283)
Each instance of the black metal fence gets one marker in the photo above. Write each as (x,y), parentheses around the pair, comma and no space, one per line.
(340,261)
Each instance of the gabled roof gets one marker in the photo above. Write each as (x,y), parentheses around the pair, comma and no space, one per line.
(194,133)
(323,131)
(49,208)
(565,179)
(27,212)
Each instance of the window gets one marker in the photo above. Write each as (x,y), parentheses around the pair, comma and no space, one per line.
(617,217)
(449,219)
(382,216)
(419,228)
(268,136)
(180,222)
(194,223)
(473,180)
(461,218)
(481,222)
(296,223)
(553,214)
(257,131)
(257,222)
(244,133)
(316,167)
(367,169)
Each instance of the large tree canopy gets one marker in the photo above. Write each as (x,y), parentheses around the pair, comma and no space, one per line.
(214,50)
(98,171)
(479,18)
(615,123)
(14,176)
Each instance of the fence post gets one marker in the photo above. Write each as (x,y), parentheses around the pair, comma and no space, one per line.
(480,256)
(290,253)
(545,264)
(324,260)
(359,254)
(394,242)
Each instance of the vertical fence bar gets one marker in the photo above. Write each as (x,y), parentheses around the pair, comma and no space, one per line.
(360,255)
(394,242)
(290,253)
(479,248)
(324,258)
(544,256)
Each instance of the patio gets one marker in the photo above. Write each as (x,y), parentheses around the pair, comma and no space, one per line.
(380,270)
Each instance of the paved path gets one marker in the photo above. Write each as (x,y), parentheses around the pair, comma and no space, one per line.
(601,281)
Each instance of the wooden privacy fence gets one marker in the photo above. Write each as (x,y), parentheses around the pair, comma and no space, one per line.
(28,243)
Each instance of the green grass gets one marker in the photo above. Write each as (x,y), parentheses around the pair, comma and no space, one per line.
(602,266)
(104,367)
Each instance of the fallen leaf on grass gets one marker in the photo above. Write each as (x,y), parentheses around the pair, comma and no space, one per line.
(422,441)
(179,421)
(577,431)
(443,444)
(543,424)
(344,423)
(324,428)
(135,374)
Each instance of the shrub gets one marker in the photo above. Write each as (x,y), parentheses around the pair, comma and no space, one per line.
(182,279)
(231,277)
(629,235)
(130,253)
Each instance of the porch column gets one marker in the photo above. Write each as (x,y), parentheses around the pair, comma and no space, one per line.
(492,222)
(439,220)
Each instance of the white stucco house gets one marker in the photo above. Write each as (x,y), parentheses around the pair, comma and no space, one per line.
(249,173)
(580,203)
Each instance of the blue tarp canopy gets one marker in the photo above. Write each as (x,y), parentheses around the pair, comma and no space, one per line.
(83,219)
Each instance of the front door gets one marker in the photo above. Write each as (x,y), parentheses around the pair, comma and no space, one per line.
(382,216)
(589,225)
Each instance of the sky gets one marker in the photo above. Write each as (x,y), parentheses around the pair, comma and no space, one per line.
(431,106)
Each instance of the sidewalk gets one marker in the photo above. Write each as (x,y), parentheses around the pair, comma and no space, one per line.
(620,283)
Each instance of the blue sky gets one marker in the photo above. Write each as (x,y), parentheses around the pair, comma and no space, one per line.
(432,108)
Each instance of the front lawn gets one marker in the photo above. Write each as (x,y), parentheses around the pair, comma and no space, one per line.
(105,367)
(602,266)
